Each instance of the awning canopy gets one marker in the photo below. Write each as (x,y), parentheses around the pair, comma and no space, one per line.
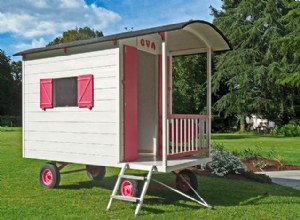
(187,36)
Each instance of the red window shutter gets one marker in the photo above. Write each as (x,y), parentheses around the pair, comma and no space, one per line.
(86,91)
(46,96)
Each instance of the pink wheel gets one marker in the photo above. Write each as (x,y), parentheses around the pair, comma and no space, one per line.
(49,176)
(129,188)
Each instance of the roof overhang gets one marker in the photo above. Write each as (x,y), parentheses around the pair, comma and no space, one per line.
(183,38)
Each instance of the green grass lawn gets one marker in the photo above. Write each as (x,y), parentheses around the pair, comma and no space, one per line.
(21,197)
(286,147)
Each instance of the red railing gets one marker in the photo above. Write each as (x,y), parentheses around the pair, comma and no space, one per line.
(186,135)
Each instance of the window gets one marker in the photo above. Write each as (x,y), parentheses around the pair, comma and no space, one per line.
(65,92)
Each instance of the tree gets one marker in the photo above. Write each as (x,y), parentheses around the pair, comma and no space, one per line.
(251,71)
(6,84)
(189,84)
(16,72)
(76,34)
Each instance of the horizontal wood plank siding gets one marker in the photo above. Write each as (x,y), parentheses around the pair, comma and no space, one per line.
(73,134)
(73,157)
(73,127)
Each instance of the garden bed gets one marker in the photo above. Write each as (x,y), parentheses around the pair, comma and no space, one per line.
(259,164)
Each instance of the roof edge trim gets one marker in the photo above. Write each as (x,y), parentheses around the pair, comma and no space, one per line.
(124,35)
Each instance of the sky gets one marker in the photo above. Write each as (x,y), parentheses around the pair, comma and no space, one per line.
(26,24)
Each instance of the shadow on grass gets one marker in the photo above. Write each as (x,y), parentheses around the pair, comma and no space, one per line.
(216,191)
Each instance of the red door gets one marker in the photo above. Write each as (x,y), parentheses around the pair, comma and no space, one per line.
(160,98)
(130,103)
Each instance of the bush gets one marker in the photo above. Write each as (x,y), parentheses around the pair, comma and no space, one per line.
(250,152)
(224,162)
(290,130)
(10,121)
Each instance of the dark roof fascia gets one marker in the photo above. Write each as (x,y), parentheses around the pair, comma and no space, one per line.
(120,36)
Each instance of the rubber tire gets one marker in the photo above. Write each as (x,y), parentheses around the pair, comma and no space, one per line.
(135,186)
(96,173)
(191,177)
(55,175)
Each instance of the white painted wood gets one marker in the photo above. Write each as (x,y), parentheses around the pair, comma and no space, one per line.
(80,138)
(23,109)
(192,136)
(117,105)
(74,157)
(72,127)
(73,134)
(100,106)
(104,95)
(99,73)
(121,103)
(188,51)
(105,83)
(174,164)
(168,137)
(89,116)
(208,84)
(196,138)
(181,142)
(185,132)
(172,136)
(70,147)
(189,134)
(137,42)
(176,124)
(201,133)
(74,58)
(164,103)
(83,49)
(147,107)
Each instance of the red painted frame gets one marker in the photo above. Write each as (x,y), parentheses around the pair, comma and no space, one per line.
(173,156)
(130,103)
(178,116)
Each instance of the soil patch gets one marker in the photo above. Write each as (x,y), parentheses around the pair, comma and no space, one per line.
(254,164)
(229,176)
(257,164)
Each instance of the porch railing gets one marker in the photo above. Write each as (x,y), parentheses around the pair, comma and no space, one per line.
(186,135)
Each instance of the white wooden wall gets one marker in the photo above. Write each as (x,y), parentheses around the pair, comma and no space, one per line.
(72,134)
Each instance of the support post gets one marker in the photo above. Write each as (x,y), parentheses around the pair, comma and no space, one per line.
(170,110)
(164,102)
(208,103)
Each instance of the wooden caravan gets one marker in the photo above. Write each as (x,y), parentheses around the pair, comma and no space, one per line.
(107,101)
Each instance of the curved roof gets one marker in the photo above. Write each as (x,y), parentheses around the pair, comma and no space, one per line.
(209,34)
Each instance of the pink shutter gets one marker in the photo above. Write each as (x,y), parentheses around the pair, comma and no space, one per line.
(46,97)
(86,91)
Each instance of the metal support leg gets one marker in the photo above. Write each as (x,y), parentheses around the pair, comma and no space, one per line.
(116,186)
(146,185)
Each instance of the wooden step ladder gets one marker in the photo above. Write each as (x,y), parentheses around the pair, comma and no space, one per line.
(138,200)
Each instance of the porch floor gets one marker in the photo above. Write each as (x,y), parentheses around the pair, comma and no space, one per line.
(146,161)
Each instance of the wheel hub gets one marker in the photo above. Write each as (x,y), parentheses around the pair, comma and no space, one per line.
(47,177)
(127,188)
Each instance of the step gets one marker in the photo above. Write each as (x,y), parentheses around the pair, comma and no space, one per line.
(126,198)
(132,177)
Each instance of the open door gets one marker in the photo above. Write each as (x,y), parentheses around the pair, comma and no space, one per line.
(130,103)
